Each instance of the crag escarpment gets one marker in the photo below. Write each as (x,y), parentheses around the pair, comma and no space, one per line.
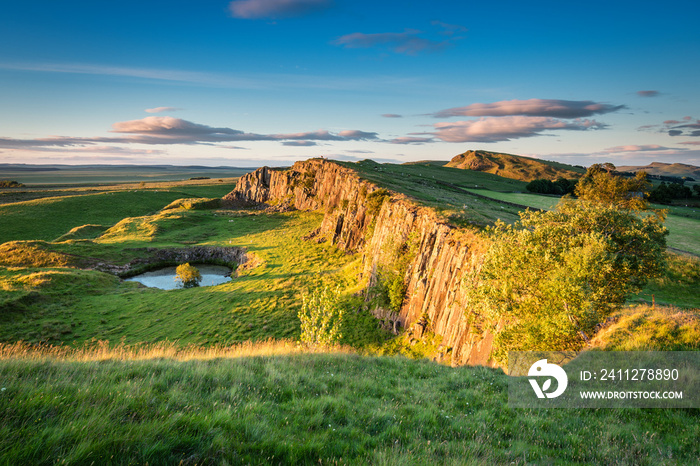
(361,217)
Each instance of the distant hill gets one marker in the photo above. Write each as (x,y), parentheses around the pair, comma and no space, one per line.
(56,174)
(678,170)
(515,167)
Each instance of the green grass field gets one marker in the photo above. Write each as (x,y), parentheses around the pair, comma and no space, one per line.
(76,305)
(51,216)
(198,404)
(309,409)
(32,175)
(682,223)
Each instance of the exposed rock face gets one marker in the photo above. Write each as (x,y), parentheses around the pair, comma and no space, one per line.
(434,276)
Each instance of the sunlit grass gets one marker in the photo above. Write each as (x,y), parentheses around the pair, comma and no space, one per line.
(649,328)
(102,350)
(337,408)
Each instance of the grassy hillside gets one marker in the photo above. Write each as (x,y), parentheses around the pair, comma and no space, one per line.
(169,389)
(51,216)
(60,304)
(444,189)
(514,166)
(304,409)
(679,170)
(100,174)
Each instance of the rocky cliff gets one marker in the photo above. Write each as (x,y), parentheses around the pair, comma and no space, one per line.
(360,217)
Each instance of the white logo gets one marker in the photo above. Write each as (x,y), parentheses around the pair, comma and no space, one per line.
(542,369)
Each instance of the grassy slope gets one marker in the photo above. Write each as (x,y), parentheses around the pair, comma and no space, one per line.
(430,184)
(652,328)
(85,174)
(37,219)
(304,409)
(72,305)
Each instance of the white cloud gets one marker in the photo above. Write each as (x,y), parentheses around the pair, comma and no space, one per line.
(532,107)
(507,128)
(162,109)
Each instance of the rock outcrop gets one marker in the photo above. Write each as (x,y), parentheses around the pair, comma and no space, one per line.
(357,220)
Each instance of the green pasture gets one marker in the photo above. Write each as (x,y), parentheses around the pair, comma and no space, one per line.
(310,409)
(262,302)
(50,217)
(682,222)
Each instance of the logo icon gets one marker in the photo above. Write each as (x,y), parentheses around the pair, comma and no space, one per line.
(543,369)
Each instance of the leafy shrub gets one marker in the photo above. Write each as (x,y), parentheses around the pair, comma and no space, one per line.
(321,318)
(390,289)
(10,184)
(188,275)
(547,281)
(375,199)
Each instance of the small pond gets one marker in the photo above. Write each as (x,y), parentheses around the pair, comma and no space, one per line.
(165,278)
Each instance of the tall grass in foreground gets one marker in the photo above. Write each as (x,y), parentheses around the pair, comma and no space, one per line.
(101,350)
(264,408)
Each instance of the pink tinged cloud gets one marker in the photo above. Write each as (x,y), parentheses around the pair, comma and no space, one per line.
(532,107)
(162,109)
(648,93)
(257,9)
(176,129)
(169,130)
(408,42)
(356,135)
(507,128)
(637,148)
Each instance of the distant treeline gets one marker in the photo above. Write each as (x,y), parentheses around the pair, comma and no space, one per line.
(559,187)
(671,179)
(10,184)
(665,193)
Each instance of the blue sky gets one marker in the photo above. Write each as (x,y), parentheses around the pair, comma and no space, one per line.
(253,82)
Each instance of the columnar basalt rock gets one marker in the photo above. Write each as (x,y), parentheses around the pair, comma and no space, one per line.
(434,276)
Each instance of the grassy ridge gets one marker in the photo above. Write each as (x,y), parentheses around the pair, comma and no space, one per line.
(306,408)
(434,186)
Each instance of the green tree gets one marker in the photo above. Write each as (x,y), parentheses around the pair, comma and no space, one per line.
(188,275)
(602,184)
(548,280)
(321,318)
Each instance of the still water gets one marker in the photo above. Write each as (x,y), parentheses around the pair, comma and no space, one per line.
(165,278)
